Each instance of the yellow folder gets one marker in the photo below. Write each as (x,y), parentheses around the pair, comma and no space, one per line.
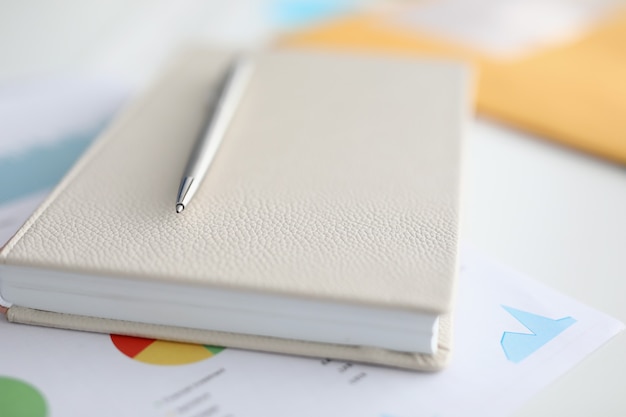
(574,94)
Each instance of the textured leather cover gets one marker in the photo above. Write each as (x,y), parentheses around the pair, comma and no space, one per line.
(338,179)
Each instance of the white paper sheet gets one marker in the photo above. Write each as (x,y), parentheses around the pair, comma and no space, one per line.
(505,28)
(86,374)
(45,125)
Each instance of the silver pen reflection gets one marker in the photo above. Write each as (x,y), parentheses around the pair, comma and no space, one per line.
(229,94)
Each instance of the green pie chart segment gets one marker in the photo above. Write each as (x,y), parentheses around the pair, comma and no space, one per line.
(20,399)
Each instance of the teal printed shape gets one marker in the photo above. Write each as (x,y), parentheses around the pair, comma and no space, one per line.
(41,167)
(518,346)
(300,12)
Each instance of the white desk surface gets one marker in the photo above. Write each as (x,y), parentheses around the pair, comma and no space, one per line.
(553,213)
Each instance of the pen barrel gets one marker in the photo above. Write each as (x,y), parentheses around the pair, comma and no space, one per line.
(229,95)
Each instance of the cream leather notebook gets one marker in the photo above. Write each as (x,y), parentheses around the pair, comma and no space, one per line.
(327,225)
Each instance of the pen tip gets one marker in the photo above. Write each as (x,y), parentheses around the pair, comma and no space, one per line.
(179,208)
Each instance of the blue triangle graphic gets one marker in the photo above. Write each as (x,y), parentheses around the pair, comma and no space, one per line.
(518,346)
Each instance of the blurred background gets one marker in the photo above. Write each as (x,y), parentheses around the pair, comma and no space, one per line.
(537,61)
(128,38)
(545,184)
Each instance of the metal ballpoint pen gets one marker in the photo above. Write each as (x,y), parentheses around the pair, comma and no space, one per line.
(203,153)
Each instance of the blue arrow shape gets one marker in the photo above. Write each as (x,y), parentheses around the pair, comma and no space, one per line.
(518,346)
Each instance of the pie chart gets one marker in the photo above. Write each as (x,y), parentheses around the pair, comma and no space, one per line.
(162,352)
(20,399)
